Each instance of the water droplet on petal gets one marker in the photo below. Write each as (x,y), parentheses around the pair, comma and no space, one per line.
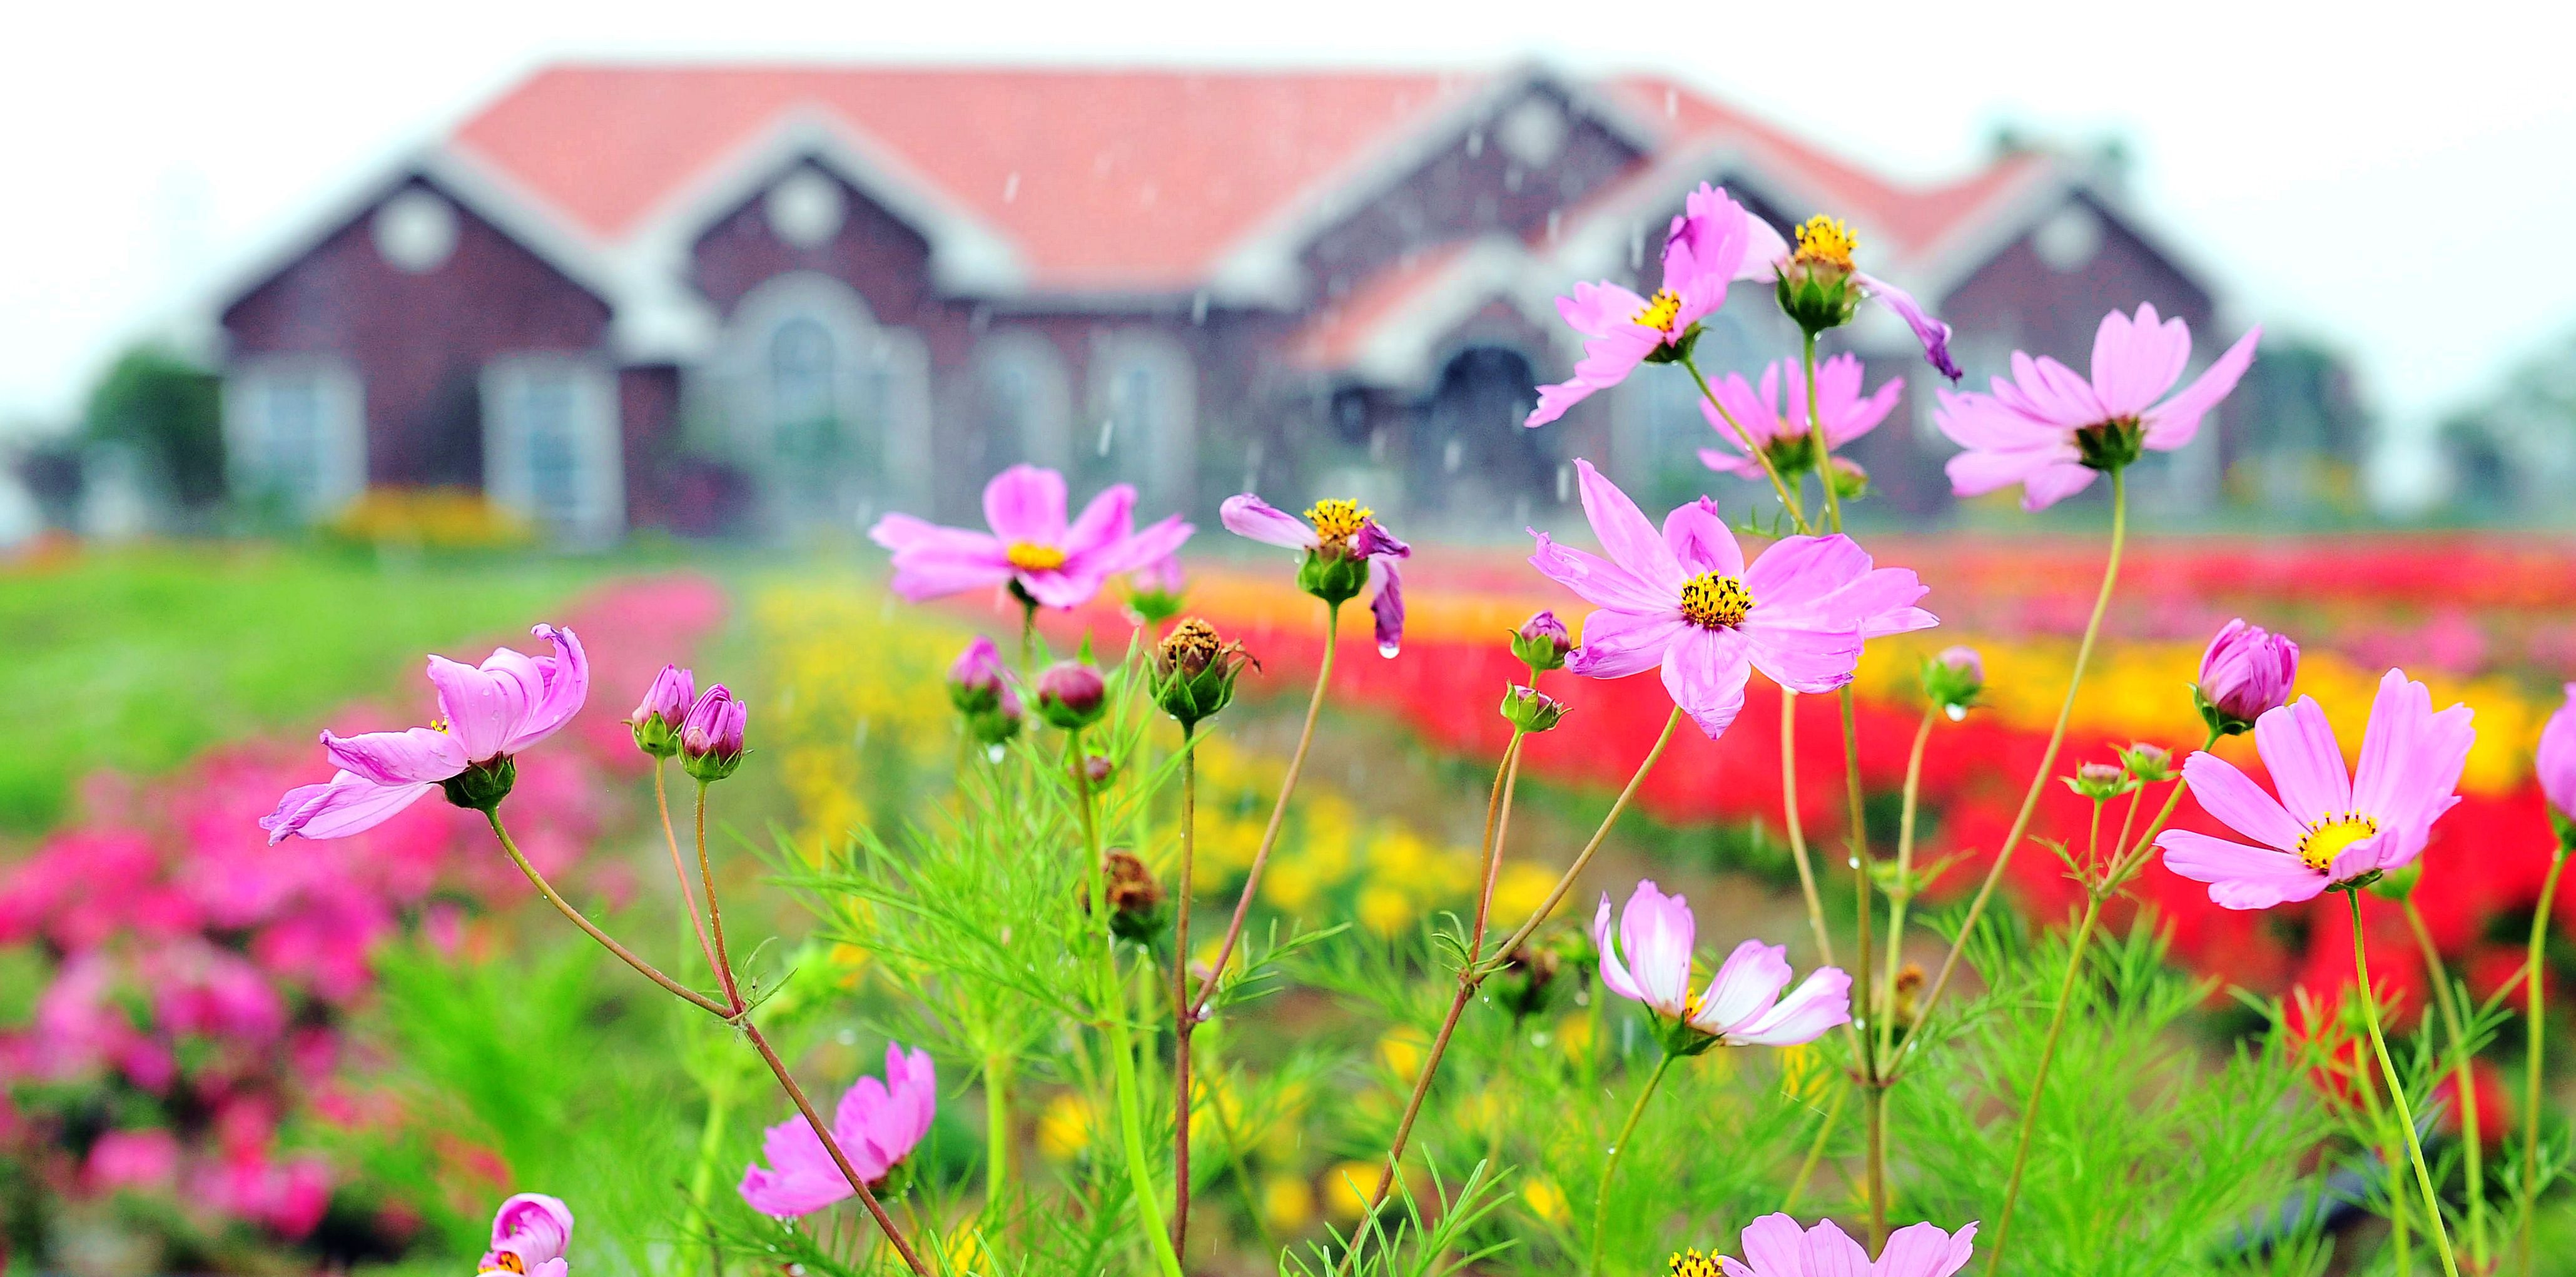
(1388,650)
(994,753)
(1957,713)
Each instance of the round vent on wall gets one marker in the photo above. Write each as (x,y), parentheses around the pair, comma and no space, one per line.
(806,208)
(415,231)
(2068,240)
(1533,132)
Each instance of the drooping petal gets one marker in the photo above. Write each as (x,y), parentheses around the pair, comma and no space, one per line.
(2239,803)
(1246,515)
(1923,1250)
(1607,361)
(2298,748)
(1815,1007)
(1026,503)
(535,1227)
(1373,541)
(2136,361)
(1800,651)
(1699,538)
(410,757)
(1598,580)
(2239,877)
(1974,474)
(1614,973)
(1617,644)
(2171,424)
(483,707)
(349,803)
(1745,986)
(1934,334)
(566,680)
(1705,672)
(2055,482)
(1387,609)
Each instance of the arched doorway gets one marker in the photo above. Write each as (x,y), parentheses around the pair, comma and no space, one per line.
(1472,467)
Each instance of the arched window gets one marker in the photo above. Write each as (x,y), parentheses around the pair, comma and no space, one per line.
(1142,428)
(827,408)
(1472,465)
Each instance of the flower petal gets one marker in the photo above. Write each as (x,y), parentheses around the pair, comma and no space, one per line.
(1745,986)
(1387,610)
(2135,361)
(2171,424)
(2053,483)
(1832,1253)
(1923,1250)
(2239,877)
(565,677)
(2411,757)
(1624,533)
(2298,748)
(1617,644)
(416,756)
(1814,1008)
(1656,931)
(484,707)
(1246,515)
(349,803)
(1026,503)
(1775,1246)
(1614,973)
(1705,672)
(1934,334)
(2240,804)
(1104,525)
(1701,541)
(1598,580)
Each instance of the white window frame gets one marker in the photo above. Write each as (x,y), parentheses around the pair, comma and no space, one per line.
(597,512)
(340,430)
(863,351)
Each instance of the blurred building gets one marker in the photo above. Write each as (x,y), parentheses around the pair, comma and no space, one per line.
(771,297)
(2512,454)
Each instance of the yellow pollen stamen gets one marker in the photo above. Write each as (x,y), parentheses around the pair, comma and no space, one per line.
(1660,312)
(1826,240)
(1710,601)
(509,1261)
(438,723)
(1338,519)
(2331,837)
(1029,556)
(1691,1263)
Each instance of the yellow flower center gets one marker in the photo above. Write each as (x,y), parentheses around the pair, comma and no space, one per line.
(1661,309)
(1691,1263)
(1029,556)
(1337,519)
(508,1261)
(1710,601)
(1827,241)
(2330,837)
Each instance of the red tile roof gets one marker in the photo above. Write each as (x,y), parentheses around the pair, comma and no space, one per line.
(1130,179)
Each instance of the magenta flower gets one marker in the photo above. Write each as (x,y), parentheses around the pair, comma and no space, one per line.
(2051,431)
(975,677)
(1344,546)
(1742,1005)
(1774,1246)
(711,738)
(2556,761)
(2328,829)
(1684,599)
(1702,252)
(876,1125)
(1786,436)
(1059,564)
(2245,674)
(1819,286)
(486,714)
(530,1234)
(656,720)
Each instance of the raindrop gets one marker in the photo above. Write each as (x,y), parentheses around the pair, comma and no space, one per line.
(1451,455)
(847,1037)
(1956,712)
(1108,427)
(1011,187)
(1636,246)
(1252,466)
(1555,219)
(859,738)
(993,753)
(1853,863)
(1564,483)
(1377,445)
(1388,649)
(1475,143)
(1198,307)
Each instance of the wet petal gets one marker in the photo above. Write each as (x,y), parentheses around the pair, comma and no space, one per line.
(1025,503)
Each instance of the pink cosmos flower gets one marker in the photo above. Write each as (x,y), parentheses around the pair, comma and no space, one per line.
(2246,673)
(2051,431)
(530,1234)
(133,1159)
(1684,599)
(876,1125)
(1742,1005)
(1824,254)
(1702,252)
(2328,828)
(2556,761)
(1774,1246)
(1787,436)
(1059,564)
(1335,534)
(485,713)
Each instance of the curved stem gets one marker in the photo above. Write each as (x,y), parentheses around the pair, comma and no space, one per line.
(1824,458)
(1797,509)
(1565,881)
(2397,1092)
(679,870)
(1864,1059)
(1610,1171)
(2446,999)
(1278,814)
(2537,1028)
(606,941)
(832,1145)
(715,914)
(1904,893)
(2048,757)
(2039,1076)
(1797,827)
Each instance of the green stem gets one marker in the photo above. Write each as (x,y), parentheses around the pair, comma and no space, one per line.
(679,870)
(1797,828)
(2048,757)
(1796,508)
(1120,1044)
(1610,1171)
(997,1128)
(606,941)
(2397,1092)
(1824,458)
(2445,1000)
(2537,1029)
(2039,1078)
(1904,894)
(1565,881)
(1182,1022)
(1815,1152)
(1863,1058)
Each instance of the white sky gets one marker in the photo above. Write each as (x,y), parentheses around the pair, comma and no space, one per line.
(2405,189)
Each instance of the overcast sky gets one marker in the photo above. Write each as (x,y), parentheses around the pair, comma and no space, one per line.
(2405,190)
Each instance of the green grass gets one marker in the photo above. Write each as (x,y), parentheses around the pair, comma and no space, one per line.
(137,659)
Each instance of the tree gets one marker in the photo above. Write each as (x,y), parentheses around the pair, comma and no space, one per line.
(169,410)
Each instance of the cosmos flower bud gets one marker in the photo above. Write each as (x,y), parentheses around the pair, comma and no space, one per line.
(1154,594)
(1543,968)
(1136,912)
(2398,883)
(2556,764)
(998,724)
(2147,762)
(1954,679)
(2246,672)
(1195,670)
(656,721)
(1072,695)
(1814,286)
(2100,781)
(1851,483)
(1530,709)
(1541,643)
(711,740)
(975,679)
(1097,770)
